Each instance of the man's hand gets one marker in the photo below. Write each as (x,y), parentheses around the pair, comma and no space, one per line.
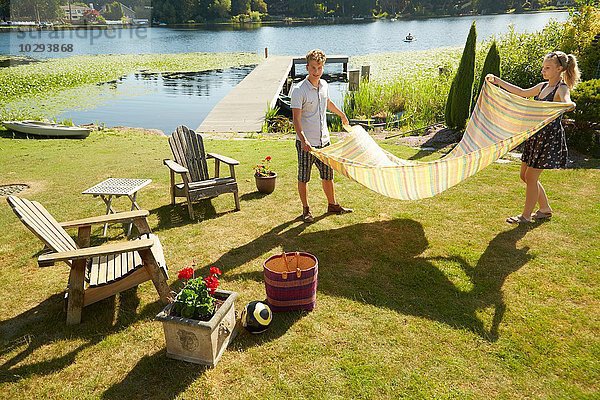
(344,119)
(306,146)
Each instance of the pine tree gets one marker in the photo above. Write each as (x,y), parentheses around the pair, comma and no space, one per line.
(457,111)
(491,65)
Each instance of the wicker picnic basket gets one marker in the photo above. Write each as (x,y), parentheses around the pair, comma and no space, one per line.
(291,281)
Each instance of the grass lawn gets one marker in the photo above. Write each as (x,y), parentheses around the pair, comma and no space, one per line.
(437,298)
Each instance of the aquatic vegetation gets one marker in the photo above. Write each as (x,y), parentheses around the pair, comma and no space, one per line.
(414,82)
(47,86)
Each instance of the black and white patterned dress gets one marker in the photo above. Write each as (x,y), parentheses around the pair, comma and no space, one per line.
(547,149)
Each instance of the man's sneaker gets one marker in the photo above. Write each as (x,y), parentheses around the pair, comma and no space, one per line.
(337,209)
(306,215)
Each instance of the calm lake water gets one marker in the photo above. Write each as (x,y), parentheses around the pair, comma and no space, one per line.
(351,38)
(160,101)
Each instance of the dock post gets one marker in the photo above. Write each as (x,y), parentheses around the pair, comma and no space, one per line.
(266,52)
(353,79)
(365,72)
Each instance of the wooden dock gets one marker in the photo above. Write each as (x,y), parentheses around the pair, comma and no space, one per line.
(243,109)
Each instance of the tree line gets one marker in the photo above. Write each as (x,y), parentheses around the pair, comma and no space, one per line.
(182,11)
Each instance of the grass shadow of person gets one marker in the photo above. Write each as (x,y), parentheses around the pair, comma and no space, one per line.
(500,259)
(31,329)
(354,259)
(156,377)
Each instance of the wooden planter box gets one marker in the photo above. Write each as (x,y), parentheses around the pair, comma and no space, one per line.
(200,342)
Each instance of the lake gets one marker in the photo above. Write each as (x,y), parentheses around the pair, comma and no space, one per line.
(159,101)
(349,38)
(164,101)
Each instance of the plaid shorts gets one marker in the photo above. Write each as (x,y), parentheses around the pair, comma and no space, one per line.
(305,162)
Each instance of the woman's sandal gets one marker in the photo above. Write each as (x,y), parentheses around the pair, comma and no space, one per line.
(519,219)
(541,215)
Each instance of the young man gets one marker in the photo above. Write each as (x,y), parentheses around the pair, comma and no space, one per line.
(310,102)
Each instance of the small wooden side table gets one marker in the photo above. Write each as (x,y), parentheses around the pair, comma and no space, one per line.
(117,187)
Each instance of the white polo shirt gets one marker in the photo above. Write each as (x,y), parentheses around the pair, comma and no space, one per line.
(313,103)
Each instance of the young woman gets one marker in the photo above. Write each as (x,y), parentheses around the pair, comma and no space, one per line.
(547,149)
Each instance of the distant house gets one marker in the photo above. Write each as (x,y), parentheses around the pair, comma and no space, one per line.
(565,3)
(75,13)
(127,12)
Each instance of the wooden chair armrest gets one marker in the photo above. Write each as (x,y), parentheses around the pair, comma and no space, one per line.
(89,252)
(173,166)
(109,218)
(226,160)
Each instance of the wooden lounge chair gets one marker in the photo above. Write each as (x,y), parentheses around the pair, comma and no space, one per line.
(96,272)
(190,162)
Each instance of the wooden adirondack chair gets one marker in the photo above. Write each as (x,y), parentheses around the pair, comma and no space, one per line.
(190,162)
(96,272)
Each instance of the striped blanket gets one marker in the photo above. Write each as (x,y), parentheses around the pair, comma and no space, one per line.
(500,121)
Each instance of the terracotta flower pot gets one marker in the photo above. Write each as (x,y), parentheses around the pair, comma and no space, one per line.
(266,184)
(200,342)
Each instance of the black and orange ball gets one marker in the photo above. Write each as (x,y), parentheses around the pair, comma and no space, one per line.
(256,317)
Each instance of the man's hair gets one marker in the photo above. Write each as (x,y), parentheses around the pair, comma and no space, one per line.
(316,55)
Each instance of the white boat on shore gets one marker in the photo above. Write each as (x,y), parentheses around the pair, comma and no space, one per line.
(47,129)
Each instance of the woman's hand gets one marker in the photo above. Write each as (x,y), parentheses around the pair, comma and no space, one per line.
(491,78)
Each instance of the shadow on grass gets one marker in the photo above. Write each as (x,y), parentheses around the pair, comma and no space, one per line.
(380,263)
(45,324)
(280,324)
(437,141)
(173,216)
(500,259)
(155,377)
(252,196)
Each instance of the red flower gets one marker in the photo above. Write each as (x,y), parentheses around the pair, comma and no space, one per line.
(185,274)
(215,271)
(268,158)
(212,283)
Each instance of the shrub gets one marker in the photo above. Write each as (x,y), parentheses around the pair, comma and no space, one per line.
(578,36)
(491,65)
(587,97)
(521,54)
(585,136)
(458,105)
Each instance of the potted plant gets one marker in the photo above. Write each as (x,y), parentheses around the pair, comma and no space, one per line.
(200,323)
(265,178)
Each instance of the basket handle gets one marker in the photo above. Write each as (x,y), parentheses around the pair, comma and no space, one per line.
(298,270)
(287,267)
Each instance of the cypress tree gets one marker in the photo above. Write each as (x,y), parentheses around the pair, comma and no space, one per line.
(448,112)
(462,85)
(491,65)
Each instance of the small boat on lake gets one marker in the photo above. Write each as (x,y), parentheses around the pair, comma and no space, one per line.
(47,129)
(409,38)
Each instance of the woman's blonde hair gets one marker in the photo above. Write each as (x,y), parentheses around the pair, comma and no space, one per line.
(568,63)
(316,55)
